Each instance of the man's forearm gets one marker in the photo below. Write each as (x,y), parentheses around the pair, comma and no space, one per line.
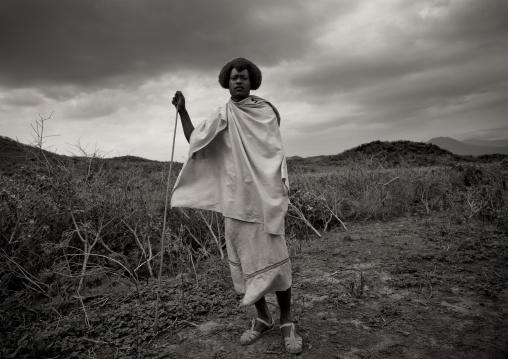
(187,125)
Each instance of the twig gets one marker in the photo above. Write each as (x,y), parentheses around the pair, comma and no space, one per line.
(111,259)
(142,263)
(193,266)
(183,212)
(84,310)
(27,275)
(213,234)
(195,239)
(147,261)
(302,217)
(186,321)
(380,326)
(393,179)
(343,225)
(96,341)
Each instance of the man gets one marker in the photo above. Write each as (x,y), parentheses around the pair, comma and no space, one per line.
(236,166)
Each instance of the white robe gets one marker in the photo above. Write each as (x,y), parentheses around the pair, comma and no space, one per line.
(237,166)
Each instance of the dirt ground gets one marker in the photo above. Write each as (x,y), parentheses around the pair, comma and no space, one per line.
(403,289)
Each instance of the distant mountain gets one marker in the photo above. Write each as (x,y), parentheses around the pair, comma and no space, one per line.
(294,158)
(485,143)
(461,148)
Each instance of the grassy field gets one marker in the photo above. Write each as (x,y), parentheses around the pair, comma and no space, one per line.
(81,246)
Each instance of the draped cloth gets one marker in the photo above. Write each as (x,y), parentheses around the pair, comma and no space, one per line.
(236,166)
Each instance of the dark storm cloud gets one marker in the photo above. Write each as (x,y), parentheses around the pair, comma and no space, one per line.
(469,45)
(451,60)
(93,42)
(352,71)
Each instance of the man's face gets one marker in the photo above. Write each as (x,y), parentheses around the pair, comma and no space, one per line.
(239,84)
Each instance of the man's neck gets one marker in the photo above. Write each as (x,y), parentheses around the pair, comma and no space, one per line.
(238,99)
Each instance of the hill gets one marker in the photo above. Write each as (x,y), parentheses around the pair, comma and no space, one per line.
(12,154)
(398,152)
(461,148)
(392,154)
(130,159)
(389,153)
(15,157)
(294,158)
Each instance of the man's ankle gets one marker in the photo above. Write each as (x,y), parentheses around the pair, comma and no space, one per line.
(266,317)
(285,319)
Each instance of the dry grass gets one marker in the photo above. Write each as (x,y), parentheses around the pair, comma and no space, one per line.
(69,230)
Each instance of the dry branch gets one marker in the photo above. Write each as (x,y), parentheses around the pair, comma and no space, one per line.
(302,217)
(209,225)
(333,214)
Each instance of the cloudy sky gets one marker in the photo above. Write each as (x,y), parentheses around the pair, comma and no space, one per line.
(341,72)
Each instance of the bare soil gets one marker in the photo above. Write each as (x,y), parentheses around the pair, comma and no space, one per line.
(403,289)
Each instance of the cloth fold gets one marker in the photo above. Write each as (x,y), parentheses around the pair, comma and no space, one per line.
(259,261)
(237,166)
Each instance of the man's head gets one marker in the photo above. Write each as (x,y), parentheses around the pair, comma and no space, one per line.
(240,76)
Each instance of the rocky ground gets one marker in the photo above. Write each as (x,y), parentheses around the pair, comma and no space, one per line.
(403,289)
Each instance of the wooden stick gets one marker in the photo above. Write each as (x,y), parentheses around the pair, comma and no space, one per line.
(156,322)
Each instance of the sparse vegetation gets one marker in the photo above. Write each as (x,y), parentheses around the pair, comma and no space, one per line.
(80,238)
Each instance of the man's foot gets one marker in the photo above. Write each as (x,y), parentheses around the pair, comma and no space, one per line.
(259,327)
(292,341)
(285,328)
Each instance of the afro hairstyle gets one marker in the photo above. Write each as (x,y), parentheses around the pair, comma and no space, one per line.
(241,64)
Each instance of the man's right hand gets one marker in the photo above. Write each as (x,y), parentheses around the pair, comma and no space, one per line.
(179,101)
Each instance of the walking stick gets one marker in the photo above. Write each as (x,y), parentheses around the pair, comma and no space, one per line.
(156,322)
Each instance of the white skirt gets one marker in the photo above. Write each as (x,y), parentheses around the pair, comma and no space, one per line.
(259,261)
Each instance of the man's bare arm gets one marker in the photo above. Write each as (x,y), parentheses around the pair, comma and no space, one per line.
(179,103)
(187,125)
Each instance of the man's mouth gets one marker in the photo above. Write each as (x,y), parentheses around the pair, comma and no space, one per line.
(238,88)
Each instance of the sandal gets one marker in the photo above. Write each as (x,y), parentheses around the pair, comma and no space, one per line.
(251,335)
(293,343)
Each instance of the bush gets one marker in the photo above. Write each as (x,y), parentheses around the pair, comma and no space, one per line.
(76,228)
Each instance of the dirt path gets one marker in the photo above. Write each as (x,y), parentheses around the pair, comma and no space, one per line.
(402,289)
